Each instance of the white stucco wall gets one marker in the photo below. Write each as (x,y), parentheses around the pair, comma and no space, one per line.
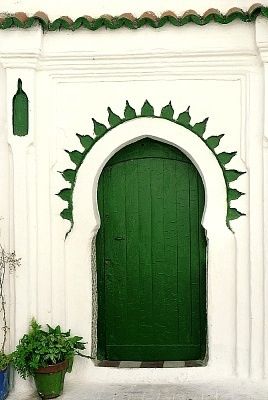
(69,77)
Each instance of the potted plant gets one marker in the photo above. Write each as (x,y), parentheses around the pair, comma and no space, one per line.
(46,355)
(8,261)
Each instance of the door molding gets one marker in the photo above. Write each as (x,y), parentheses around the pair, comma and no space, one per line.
(80,272)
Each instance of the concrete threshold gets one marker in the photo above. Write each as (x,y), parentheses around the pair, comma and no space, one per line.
(222,390)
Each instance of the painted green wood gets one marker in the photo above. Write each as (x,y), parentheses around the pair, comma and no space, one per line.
(202,270)
(145,251)
(133,264)
(184,254)
(20,112)
(151,256)
(170,248)
(195,267)
(148,148)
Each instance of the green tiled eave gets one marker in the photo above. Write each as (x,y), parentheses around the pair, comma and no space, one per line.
(21,20)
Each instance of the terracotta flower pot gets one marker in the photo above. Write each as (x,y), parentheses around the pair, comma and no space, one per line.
(49,380)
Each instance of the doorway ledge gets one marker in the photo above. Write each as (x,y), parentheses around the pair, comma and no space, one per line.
(212,390)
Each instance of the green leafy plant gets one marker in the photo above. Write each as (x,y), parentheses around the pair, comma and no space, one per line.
(40,348)
(4,361)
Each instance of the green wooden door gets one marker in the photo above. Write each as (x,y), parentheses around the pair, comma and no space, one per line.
(151,256)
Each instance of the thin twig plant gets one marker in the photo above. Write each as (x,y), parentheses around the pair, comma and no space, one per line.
(8,262)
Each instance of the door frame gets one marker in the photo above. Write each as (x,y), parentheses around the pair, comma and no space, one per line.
(221,264)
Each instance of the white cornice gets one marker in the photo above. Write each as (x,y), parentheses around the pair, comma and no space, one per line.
(20,48)
(21,61)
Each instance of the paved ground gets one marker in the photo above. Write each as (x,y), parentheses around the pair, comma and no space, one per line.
(209,391)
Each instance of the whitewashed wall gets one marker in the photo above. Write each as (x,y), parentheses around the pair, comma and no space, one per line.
(69,77)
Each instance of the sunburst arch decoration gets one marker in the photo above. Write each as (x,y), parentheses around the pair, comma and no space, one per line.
(147,110)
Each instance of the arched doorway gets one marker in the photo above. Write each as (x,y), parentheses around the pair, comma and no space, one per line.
(151,256)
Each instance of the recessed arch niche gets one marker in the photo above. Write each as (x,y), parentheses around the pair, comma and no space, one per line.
(81,278)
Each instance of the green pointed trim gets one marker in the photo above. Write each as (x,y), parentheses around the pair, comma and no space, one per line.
(86,141)
(184,119)
(213,141)
(147,110)
(129,112)
(69,175)
(67,214)
(233,213)
(233,194)
(75,156)
(99,129)
(65,194)
(113,119)
(232,174)
(224,158)
(167,112)
(20,20)
(200,127)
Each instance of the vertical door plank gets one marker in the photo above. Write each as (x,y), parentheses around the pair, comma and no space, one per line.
(203,271)
(132,251)
(195,277)
(184,253)
(169,273)
(145,253)
(158,256)
(116,268)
